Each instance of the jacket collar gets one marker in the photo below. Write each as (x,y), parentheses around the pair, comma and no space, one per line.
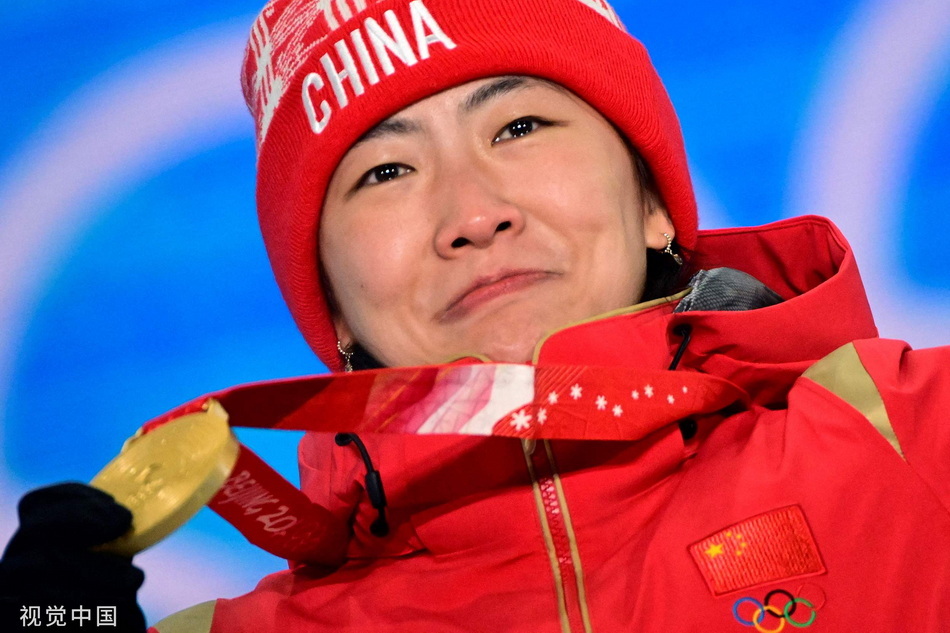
(805,260)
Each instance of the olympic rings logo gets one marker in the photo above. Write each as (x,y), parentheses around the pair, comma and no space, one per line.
(784,615)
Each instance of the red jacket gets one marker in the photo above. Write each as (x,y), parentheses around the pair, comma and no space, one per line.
(820,502)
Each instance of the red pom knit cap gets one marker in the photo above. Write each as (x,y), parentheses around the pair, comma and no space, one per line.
(318,74)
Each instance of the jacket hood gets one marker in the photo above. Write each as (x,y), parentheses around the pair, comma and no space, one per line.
(805,260)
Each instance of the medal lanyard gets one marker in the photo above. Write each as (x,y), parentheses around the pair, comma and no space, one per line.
(500,400)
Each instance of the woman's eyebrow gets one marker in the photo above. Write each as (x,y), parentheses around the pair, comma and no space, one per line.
(389,127)
(495,89)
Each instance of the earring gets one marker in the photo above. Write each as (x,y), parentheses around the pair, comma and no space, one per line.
(347,355)
(669,249)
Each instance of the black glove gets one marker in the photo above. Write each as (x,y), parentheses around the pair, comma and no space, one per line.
(49,565)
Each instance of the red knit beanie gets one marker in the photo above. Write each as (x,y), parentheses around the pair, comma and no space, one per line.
(319,73)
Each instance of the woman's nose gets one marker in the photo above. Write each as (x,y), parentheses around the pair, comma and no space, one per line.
(476,214)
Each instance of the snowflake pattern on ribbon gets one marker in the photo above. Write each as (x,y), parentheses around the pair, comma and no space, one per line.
(602,402)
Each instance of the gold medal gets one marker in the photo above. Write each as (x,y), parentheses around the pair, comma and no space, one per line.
(165,476)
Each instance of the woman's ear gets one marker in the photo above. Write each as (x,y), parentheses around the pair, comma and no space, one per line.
(344,335)
(343,332)
(656,222)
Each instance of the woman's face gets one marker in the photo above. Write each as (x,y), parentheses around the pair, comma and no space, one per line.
(480,219)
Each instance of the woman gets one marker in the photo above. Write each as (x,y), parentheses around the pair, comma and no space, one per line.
(506,181)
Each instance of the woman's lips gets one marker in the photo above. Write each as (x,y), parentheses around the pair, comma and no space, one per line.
(487,288)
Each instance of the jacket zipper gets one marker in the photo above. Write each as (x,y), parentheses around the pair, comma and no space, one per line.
(559,538)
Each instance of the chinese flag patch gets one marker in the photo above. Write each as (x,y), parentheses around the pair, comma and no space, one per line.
(768,547)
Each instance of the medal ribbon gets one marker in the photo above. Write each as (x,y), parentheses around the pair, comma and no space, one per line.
(501,400)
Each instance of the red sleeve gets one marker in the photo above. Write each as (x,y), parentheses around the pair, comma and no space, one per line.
(915,388)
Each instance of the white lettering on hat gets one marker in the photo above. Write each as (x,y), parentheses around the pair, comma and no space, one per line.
(383,42)
(367,62)
(421,19)
(426,32)
(336,77)
(315,82)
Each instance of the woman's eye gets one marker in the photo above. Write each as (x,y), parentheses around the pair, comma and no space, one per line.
(519,127)
(383,173)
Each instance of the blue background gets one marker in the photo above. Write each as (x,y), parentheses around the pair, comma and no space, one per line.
(152,287)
